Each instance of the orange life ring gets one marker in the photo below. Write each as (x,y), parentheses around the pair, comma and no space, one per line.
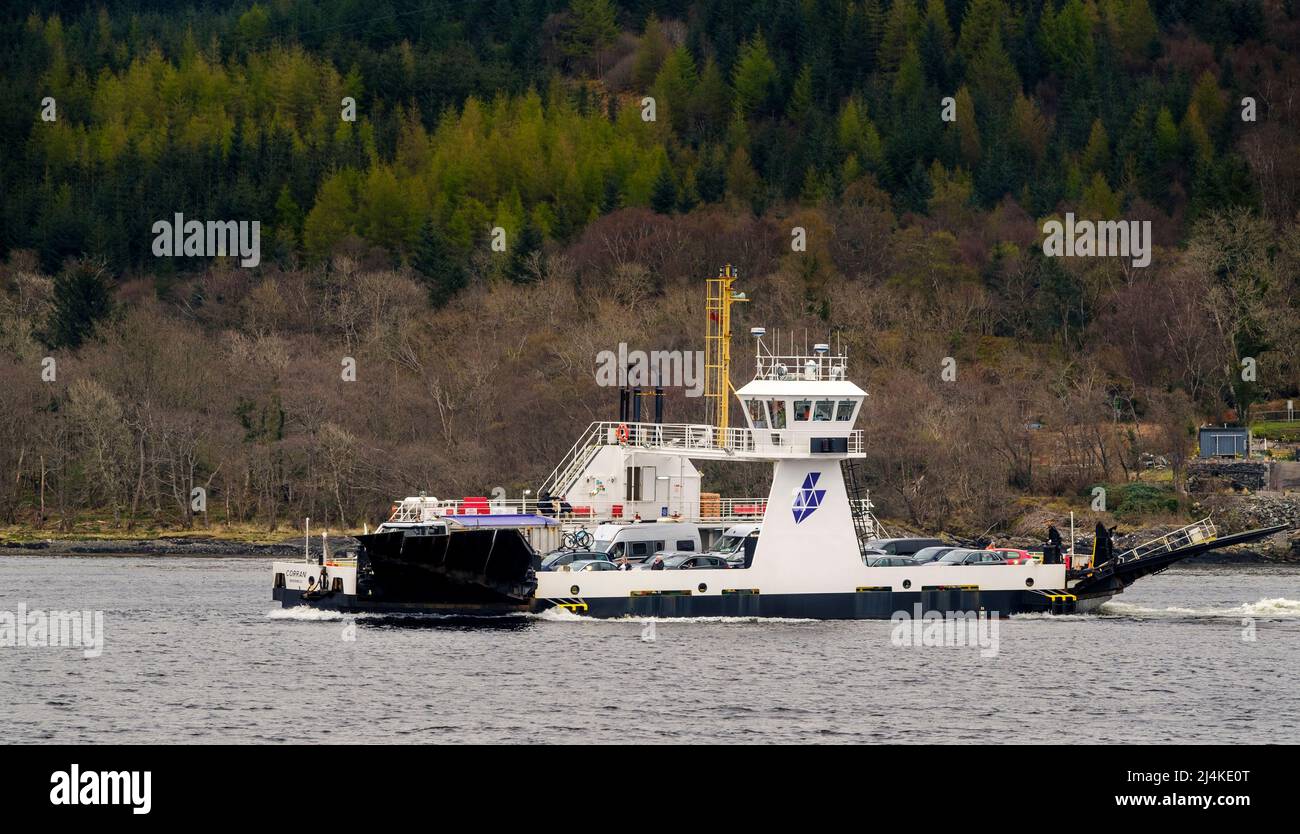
(621,433)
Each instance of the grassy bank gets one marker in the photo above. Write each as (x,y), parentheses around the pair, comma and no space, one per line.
(1278,431)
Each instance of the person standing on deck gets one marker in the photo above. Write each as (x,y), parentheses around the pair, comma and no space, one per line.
(1052,553)
(1103,549)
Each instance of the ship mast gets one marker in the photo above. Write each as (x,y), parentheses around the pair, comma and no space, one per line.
(717,348)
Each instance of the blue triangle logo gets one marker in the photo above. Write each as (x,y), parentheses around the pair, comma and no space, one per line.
(808,499)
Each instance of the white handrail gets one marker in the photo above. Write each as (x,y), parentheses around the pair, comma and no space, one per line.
(716,511)
(1203,530)
(570,465)
(688,437)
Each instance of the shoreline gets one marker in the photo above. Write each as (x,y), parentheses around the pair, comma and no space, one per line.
(165,546)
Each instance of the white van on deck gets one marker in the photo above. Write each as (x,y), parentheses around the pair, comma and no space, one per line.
(732,544)
(639,541)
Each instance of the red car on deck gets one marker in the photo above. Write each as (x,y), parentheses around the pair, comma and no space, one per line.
(1015,556)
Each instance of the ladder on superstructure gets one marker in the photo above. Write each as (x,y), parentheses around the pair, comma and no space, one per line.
(719,296)
(864,524)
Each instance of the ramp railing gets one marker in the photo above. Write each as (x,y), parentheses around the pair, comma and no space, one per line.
(1200,531)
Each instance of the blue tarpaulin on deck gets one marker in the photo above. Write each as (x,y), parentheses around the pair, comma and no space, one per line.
(504,520)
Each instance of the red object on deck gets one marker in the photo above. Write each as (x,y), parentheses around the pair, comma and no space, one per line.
(749,509)
(616,511)
(1015,556)
(475,505)
(582,511)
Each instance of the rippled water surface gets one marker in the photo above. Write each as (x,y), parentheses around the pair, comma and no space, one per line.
(195,650)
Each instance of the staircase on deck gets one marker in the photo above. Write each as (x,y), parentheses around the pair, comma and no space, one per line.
(574,462)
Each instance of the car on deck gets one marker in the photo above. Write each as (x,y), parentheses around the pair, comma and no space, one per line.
(926,555)
(902,547)
(891,562)
(685,561)
(963,556)
(592,565)
(560,559)
(1016,556)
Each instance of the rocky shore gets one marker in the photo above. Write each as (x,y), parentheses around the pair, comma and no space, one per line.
(1247,512)
(1230,512)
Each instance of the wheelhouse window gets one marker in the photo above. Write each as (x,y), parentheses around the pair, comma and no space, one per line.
(845,410)
(758,414)
(778,414)
(802,411)
(822,412)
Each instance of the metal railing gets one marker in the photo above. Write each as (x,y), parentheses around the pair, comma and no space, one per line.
(1291,416)
(572,464)
(802,366)
(732,509)
(679,438)
(673,436)
(691,437)
(724,510)
(866,525)
(1200,531)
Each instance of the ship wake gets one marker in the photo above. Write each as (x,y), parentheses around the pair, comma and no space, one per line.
(1271,608)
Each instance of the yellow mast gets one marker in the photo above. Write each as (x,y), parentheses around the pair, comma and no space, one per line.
(717,348)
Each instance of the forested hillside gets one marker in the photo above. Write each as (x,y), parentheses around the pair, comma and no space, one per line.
(921,145)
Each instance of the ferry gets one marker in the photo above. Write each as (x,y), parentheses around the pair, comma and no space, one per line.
(635,482)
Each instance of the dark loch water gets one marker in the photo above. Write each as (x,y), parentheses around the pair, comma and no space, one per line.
(195,651)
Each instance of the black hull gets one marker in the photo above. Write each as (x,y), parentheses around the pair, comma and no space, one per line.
(356,604)
(463,568)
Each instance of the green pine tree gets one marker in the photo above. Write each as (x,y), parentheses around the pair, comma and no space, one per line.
(438,265)
(711,179)
(527,245)
(82,298)
(663,198)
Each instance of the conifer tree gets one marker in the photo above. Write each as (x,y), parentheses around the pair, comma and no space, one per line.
(438,264)
(82,298)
